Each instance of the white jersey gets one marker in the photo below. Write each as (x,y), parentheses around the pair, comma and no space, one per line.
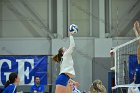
(133,89)
(67,61)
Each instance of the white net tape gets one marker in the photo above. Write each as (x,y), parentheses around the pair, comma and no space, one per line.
(121,55)
(126,86)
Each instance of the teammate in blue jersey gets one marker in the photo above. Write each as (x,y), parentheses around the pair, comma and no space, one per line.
(10,86)
(37,88)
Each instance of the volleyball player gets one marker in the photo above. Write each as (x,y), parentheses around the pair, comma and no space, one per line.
(10,86)
(136,29)
(64,57)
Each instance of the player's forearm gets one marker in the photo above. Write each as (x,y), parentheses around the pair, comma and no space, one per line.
(137,27)
(72,43)
(136,32)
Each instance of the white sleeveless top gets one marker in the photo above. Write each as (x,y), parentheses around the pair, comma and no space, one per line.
(67,61)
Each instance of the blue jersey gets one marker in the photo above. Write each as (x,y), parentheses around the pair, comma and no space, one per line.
(11,88)
(35,88)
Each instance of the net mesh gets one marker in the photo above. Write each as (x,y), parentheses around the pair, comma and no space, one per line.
(121,58)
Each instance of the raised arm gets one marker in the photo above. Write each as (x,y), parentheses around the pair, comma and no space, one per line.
(72,45)
(135,30)
(137,27)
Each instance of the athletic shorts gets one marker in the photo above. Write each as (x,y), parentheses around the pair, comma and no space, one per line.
(62,79)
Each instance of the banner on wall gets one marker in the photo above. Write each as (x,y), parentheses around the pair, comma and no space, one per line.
(27,68)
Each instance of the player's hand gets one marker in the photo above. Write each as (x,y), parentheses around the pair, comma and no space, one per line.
(77,84)
(70,33)
(137,24)
(135,27)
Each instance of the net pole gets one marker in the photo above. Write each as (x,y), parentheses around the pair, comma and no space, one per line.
(115,67)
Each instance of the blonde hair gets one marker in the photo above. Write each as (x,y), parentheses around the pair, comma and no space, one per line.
(97,87)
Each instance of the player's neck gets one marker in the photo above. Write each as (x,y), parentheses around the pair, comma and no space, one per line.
(37,84)
(15,84)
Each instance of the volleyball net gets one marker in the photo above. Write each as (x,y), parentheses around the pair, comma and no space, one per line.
(121,59)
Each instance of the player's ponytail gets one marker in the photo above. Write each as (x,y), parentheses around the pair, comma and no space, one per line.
(57,58)
(6,84)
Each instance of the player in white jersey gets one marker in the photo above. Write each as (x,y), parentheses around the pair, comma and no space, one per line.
(64,57)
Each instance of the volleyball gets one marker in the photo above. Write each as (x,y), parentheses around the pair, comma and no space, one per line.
(73,28)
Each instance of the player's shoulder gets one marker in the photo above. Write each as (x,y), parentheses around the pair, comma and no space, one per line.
(33,86)
(42,86)
(11,85)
